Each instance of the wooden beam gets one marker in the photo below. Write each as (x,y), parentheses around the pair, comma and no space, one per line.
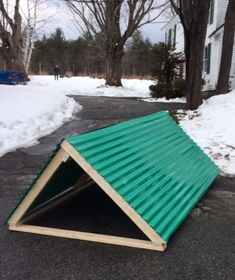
(38,187)
(105,186)
(109,239)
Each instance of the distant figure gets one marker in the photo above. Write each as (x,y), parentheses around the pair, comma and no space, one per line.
(56,72)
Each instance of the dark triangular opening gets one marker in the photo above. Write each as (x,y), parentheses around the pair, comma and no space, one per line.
(89,210)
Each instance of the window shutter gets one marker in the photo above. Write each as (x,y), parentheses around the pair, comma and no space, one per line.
(174,40)
(208,58)
(169,36)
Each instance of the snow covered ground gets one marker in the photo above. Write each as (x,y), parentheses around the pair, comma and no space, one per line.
(93,87)
(96,87)
(212,127)
(30,112)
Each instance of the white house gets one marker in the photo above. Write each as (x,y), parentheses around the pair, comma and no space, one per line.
(213,45)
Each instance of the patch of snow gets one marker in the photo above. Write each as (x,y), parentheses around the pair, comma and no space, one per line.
(172,100)
(212,127)
(30,112)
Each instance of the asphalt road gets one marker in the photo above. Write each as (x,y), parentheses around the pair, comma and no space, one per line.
(203,247)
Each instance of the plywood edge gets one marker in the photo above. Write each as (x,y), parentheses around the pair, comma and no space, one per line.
(38,187)
(108,239)
(106,187)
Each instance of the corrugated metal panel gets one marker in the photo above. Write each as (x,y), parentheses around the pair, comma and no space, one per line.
(153,164)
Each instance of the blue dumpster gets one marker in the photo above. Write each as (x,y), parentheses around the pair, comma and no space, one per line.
(12,77)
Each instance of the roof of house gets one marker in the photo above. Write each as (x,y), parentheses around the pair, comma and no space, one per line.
(216,30)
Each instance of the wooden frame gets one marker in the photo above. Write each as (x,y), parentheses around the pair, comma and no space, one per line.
(17,221)
(108,239)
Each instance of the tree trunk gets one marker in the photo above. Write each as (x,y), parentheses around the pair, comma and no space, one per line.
(12,41)
(227,49)
(114,67)
(194,49)
(194,57)
(13,58)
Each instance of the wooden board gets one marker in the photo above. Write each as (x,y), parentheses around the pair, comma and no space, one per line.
(38,187)
(109,239)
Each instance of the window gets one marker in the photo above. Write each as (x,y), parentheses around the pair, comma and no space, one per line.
(207,59)
(211,12)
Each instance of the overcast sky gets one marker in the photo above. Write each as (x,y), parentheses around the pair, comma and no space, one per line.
(60,17)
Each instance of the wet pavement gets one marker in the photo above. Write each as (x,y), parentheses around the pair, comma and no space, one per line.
(203,247)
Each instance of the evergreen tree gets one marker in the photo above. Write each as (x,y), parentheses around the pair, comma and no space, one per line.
(86,55)
(57,50)
(165,62)
(165,65)
(39,56)
(138,57)
(140,53)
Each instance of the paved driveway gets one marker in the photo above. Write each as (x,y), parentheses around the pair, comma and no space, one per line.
(203,247)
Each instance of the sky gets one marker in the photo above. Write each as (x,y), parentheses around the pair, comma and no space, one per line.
(59,16)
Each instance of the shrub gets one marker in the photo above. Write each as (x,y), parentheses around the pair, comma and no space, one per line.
(179,87)
(171,90)
(161,90)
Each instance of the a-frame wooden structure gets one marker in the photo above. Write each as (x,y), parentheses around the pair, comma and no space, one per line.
(18,222)
(148,166)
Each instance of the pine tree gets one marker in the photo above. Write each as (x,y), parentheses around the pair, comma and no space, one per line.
(165,63)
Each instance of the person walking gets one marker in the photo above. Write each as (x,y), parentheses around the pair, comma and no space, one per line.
(56,72)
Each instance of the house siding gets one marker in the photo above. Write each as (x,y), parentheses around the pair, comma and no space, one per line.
(211,78)
(232,72)
(213,38)
(222,7)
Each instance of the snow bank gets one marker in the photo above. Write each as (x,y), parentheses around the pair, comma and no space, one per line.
(93,87)
(212,127)
(28,113)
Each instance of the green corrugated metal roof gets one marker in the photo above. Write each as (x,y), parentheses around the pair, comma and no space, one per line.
(153,164)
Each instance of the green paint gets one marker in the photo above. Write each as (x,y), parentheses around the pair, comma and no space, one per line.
(153,164)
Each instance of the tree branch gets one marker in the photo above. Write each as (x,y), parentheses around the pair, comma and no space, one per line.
(5,15)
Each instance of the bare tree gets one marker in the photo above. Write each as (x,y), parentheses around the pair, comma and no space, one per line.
(117,20)
(194,17)
(227,49)
(35,19)
(11,37)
